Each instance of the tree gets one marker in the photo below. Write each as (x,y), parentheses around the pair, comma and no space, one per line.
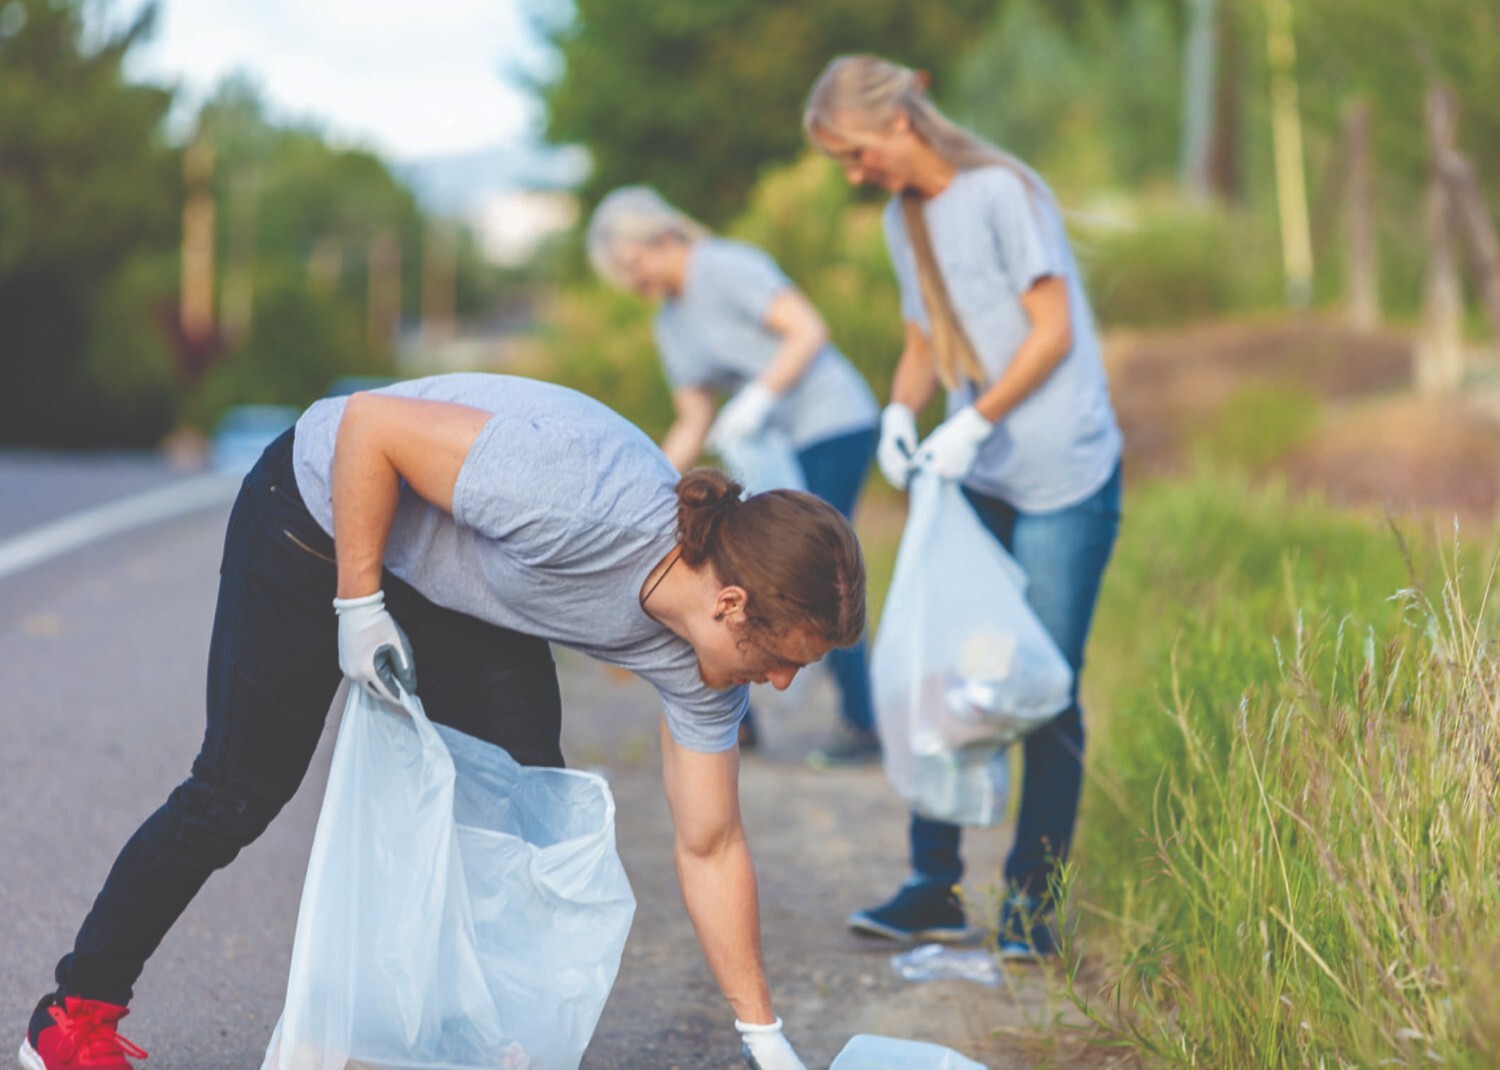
(1091,101)
(88,187)
(695,97)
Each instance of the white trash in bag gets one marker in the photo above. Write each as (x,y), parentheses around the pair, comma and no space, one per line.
(767,461)
(869,1052)
(961,667)
(461,911)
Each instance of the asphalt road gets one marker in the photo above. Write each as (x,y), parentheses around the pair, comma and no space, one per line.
(102,655)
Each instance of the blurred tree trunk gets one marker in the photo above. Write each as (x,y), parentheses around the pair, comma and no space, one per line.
(237,306)
(325,265)
(1472,218)
(1440,349)
(1224,149)
(1198,102)
(1362,253)
(439,255)
(384,306)
(196,309)
(1286,134)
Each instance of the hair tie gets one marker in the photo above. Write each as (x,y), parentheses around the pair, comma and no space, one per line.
(719,509)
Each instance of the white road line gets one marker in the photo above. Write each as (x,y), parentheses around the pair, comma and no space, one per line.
(80,529)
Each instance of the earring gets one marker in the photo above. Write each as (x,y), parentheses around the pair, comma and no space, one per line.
(718,616)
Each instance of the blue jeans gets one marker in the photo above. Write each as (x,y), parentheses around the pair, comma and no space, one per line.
(273,669)
(1064,554)
(835,470)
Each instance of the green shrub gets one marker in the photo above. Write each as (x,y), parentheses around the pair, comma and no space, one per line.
(1258,425)
(830,242)
(1171,263)
(300,340)
(598,341)
(132,384)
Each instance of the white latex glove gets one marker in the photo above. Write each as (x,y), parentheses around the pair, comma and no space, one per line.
(766,1049)
(373,650)
(744,415)
(950,450)
(898,444)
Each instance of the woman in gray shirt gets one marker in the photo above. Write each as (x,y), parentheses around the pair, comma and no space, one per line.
(490,516)
(730,323)
(996,313)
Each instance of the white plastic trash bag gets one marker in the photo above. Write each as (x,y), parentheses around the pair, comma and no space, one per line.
(461,911)
(869,1052)
(766,461)
(961,667)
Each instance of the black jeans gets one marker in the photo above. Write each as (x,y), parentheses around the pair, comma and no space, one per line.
(272,674)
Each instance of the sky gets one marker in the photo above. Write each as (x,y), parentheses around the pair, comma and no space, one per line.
(407,78)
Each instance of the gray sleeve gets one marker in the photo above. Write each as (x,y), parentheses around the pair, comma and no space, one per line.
(1015,215)
(707,730)
(741,279)
(903,260)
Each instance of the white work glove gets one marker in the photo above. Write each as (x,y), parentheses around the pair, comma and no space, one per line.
(373,650)
(765,1048)
(744,415)
(898,444)
(950,450)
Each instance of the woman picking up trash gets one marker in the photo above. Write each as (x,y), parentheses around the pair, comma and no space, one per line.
(995,312)
(730,322)
(489,516)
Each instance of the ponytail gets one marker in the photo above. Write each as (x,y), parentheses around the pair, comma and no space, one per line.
(704,497)
(954,358)
(795,556)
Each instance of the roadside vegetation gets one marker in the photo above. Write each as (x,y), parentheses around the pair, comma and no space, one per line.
(1289,846)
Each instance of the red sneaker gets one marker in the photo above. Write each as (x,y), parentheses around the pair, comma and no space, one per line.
(74,1034)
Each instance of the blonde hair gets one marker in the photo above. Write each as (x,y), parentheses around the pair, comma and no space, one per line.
(634,215)
(857,94)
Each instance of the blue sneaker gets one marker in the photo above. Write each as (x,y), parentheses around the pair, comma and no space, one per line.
(922,911)
(1028,930)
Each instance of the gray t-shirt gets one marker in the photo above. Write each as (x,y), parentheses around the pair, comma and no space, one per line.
(993,239)
(714,335)
(560,511)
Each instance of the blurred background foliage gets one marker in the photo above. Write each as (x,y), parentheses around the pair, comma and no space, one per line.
(1091,92)
(698,97)
(92,193)
(702,100)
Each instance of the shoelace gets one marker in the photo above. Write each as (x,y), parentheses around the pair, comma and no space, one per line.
(91,1032)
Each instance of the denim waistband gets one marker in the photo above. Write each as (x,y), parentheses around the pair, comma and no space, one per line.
(275,464)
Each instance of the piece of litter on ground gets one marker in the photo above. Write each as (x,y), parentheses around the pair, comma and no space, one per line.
(869,1052)
(938,962)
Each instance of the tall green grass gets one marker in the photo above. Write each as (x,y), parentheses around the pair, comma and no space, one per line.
(1289,853)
